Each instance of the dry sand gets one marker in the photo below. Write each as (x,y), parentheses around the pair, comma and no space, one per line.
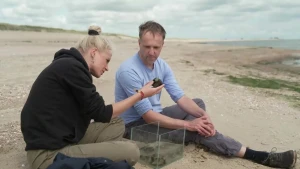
(246,114)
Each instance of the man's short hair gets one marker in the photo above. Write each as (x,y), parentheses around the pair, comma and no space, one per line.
(153,27)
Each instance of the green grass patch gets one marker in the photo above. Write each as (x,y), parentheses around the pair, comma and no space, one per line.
(265,83)
(293,99)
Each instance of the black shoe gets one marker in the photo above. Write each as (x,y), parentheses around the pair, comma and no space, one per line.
(281,160)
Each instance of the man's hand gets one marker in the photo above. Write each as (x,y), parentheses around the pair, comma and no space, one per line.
(201,125)
(211,125)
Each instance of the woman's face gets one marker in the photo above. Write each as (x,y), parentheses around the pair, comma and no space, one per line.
(100,60)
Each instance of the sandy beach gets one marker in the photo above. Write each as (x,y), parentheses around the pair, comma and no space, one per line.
(256,117)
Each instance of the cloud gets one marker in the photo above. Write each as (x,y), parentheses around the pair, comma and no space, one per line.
(112,5)
(213,19)
(204,5)
(30,12)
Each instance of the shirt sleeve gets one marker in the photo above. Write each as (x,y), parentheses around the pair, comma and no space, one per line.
(130,81)
(171,84)
(84,91)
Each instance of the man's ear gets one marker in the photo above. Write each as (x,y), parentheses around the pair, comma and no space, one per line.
(139,41)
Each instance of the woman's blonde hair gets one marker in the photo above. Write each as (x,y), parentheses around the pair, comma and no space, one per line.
(93,39)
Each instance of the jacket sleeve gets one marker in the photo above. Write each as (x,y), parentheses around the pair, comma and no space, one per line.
(84,91)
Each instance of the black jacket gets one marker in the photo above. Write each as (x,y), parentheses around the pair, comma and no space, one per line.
(61,104)
(62,161)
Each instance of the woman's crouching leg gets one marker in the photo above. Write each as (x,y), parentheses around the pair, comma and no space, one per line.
(113,150)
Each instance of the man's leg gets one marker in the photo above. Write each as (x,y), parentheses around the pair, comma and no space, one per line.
(228,146)
(217,143)
(171,111)
(100,140)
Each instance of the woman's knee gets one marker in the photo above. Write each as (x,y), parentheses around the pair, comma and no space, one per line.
(132,153)
(40,159)
(112,131)
(200,103)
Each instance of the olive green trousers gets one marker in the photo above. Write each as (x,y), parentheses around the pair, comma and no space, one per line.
(101,140)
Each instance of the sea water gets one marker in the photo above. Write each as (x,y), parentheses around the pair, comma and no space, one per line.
(293,44)
(281,44)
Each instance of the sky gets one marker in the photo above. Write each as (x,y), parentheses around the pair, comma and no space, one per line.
(201,19)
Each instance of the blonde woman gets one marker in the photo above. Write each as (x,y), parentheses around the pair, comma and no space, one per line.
(63,100)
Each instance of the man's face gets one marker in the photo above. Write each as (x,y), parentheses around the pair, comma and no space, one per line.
(150,47)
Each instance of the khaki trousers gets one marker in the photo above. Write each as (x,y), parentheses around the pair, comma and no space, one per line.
(100,140)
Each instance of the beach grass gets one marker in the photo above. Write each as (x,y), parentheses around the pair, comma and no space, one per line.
(12,27)
(294,99)
(31,28)
(265,83)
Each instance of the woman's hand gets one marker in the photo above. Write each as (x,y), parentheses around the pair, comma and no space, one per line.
(149,90)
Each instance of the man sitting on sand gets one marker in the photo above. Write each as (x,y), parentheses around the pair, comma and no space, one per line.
(146,65)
